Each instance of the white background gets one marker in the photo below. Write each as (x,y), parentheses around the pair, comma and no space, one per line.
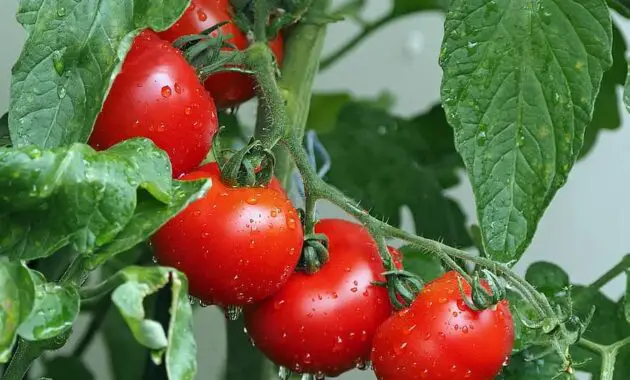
(585,230)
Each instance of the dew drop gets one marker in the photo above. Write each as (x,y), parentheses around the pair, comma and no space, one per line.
(61,92)
(178,88)
(61,11)
(58,62)
(252,200)
(278,304)
(354,290)
(187,110)
(291,223)
(482,138)
(202,15)
(166,91)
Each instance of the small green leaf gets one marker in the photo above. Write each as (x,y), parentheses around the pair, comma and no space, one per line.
(73,51)
(626,303)
(520,81)
(60,367)
(149,216)
(5,138)
(179,346)
(74,195)
(55,310)
(17,295)
(324,110)
(404,7)
(244,360)
(547,368)
(548,278)
(425,265)
(378,159)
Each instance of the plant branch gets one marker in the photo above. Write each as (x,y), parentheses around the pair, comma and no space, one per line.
(368,29)
(608,354)
(611,273)
(25,353)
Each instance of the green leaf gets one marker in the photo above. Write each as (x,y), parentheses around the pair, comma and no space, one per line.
(60,367)
(5,138)
(425,265)
(149,216)
(17,295)
(324,110)
(626,303)
(520,81)
(376,159)
(547,368)
(606,114)
(621,6)
(244,360)
(403,7)
(73,52)
(74,195)
(547,278)
(179,347)
(54,311)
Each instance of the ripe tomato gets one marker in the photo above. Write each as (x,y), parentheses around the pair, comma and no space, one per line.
(229,89)
(324,323)
(439,337)
(157,95)
(236,245)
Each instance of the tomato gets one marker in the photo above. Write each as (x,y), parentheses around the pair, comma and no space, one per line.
(229,89)
(324,323)
(236,245)
(157,95)
(440,337)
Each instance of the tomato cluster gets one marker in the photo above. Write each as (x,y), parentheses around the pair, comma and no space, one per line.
(240,246)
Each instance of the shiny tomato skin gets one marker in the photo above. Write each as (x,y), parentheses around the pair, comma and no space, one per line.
(236,245)
(157,95)
(440,338)
(229,89)
(324,323)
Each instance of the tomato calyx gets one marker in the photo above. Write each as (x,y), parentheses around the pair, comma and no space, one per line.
(481,297)
(210,52)
(402,286)
(251,166)
(314,253)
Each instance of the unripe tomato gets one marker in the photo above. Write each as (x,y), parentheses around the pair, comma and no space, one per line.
(236,245)
(324,323)
(440,338)
(229,89)
(157,95)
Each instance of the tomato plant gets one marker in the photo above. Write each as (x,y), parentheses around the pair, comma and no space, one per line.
(324,323)
(157,95)
(440,337)
(229,89)
(236,245)
(123,204)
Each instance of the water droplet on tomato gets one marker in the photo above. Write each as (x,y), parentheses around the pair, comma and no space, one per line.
(161,127)
(178,88)
(202,15)
(166,91)
(442,300)
(291,223)
(465,329)
(468,373)
(354,290)
(335,295)
(278,304)
(347,269)
(274,213)
(252,200)
(187,110)
(307,358)
(427,336)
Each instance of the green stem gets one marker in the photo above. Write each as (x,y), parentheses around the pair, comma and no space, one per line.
(611,273)
(21,361)
(96,292)
(261,17)
(368,29)
(608,354)
(302,51)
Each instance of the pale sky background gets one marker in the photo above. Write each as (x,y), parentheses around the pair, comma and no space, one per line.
(585,230)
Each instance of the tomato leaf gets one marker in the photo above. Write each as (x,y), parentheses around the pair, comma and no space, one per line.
(179,345)
(5,138)
(244,361)
(385,163)
(324,110)
(60,366)
(520,81)
(403,7)
(425,265)
(54,311)
(73,52)
(607,115)
(520,368)
(17,295)
(621,6)
(76,196)
(149,216)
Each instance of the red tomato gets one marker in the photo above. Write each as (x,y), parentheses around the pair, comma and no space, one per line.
(236,245)
(439,337)
(229,89)
(157,95)
(324,323)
